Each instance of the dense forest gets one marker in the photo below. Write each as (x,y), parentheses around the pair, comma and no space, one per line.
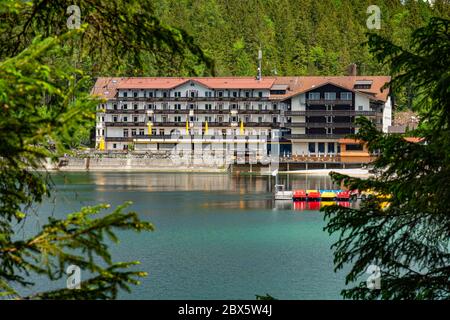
(301,37)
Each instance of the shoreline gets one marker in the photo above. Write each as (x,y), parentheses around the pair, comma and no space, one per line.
(311,172)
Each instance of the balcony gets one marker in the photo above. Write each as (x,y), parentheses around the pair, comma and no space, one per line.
(328,102)
(320,125)
(156,99)
(316,136)
(126,111)
(125,124)
(350,113)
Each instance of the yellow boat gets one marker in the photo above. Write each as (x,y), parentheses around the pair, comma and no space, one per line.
(328,195)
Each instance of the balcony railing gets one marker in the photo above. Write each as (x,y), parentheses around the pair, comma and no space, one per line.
(316,136)
(328,102)
(320,125)
(156,99)
(185,111)
(350,113)
(125,124)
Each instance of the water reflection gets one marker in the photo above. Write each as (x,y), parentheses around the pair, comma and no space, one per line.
(204,190)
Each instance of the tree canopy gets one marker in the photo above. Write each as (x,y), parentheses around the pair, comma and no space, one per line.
(409,239)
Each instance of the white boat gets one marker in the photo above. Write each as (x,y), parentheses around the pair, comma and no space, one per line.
(281,193)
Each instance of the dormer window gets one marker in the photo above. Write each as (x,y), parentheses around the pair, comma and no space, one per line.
(363,84)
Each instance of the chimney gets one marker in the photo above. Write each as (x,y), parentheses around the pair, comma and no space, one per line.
(352,70)
(258,77)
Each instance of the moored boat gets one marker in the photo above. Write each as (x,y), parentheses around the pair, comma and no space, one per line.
(327,195)
(299,195)
(313,195)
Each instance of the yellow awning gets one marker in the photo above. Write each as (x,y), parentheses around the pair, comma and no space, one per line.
(206,127)
(101,144)
(149,125)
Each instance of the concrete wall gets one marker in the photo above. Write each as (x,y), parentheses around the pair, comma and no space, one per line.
(361,100)
(387,115)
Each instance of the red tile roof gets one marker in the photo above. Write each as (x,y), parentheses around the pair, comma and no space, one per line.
(299,85)
(214,83)
(107,87)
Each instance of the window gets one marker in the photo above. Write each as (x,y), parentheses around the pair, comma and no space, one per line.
(360,108)
(330,147)
(247,94)
(329,119)
(330,95)
(141,132)
(353,147)
(150,94)
(177,94)
(346,96)
(260,94)
(114,145)
(177,119)
(125,106)
(165,94)
(220,119)
(125,133)
(312,147)
(220,93)
(125,119)
(234,119)
(191,106)
(234,106)
(321,147)
(125,94)
(362,86)
(103,119)
(114,118)
(177,106)
(274,120)
(135,119)
(329,130)
(164,118)
(133,132)
(234,94)
(208,106)
(314,96)
(135,94)
(115,106)
(135,107)
(260,119)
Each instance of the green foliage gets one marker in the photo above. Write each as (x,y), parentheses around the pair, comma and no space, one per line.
(266,297)
(45,76)
(302,37)
(41,112)
(409,239)
(119,36)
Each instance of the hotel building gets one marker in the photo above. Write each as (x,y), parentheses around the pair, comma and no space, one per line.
(310,114)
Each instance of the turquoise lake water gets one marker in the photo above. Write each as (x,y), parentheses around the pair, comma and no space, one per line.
(217,236)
